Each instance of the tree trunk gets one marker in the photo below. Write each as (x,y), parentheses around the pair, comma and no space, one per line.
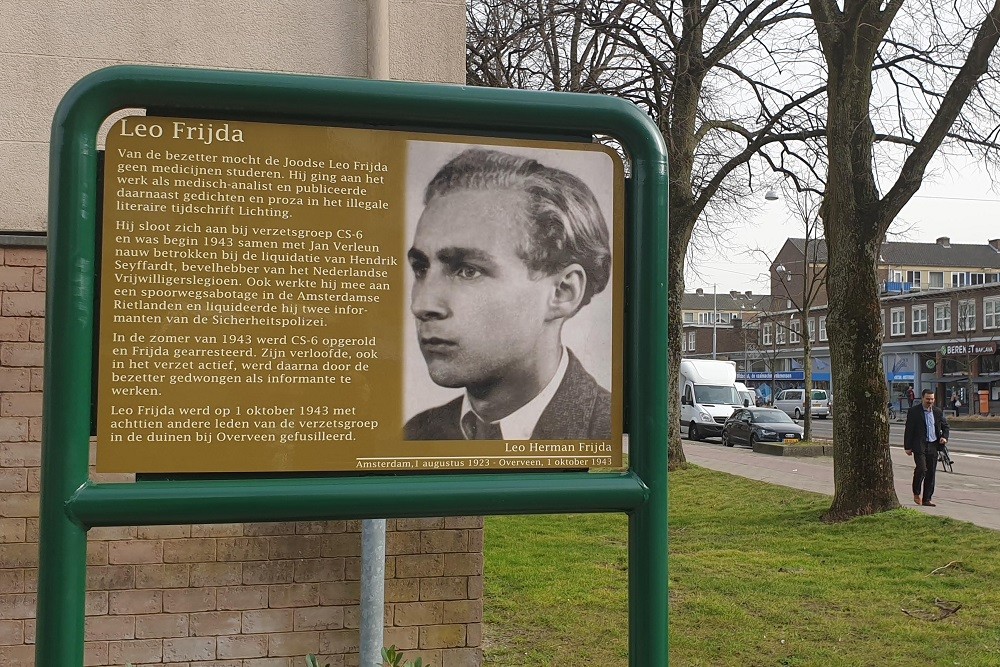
(862,467)
(675,330)
(972,396)
(808,380)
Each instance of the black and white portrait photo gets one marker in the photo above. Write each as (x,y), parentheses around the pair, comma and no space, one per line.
(509,321)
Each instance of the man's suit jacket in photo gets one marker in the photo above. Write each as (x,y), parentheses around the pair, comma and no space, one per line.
(579,410)
(915,434)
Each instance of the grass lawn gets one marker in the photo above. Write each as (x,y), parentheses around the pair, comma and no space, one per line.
(755,579)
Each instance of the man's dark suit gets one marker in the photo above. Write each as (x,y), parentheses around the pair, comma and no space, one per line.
(924,452)
(579,410)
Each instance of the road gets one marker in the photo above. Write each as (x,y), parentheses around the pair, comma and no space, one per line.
(972,442)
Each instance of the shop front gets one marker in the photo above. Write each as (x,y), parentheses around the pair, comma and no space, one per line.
(768,383)
(970,377)
(899,378)
(989,382)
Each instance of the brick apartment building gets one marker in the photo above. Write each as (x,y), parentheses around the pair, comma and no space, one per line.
(936,297)
(946,340)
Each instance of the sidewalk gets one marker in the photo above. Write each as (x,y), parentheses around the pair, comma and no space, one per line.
(971,493)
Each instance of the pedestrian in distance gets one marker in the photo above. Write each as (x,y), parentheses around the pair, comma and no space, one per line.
(910,395)
(926,430)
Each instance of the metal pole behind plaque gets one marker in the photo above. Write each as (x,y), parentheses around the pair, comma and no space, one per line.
(372,591)
(372,600)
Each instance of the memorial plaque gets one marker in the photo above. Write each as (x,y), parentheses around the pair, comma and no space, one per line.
(300,298)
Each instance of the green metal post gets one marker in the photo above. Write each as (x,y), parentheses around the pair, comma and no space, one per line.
(648,410)
(62,573)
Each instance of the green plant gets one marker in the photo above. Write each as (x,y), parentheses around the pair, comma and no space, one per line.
(393,657)
(312,662)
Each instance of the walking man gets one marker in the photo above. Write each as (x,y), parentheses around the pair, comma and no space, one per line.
(926,429)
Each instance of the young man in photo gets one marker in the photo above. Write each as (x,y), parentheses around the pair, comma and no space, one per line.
(505,252)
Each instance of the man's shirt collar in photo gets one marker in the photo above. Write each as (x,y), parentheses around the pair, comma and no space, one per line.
(520,424)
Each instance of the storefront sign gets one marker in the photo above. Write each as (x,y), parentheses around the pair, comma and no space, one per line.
(791,376)
(959,349)
(295,298)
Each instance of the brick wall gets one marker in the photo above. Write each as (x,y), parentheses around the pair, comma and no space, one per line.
(229,595)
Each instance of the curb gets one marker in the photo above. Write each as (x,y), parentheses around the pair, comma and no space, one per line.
(778,449)
(973,425)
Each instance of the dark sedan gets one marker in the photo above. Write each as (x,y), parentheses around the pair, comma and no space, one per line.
(750,425)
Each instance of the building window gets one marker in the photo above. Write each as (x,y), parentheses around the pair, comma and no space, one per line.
(913,277)
(822,328)
(882,330)
(967,315)
(704,318)
(989,363)
(688,317)
(918,315)
(937,279)
(684,342)
(691,340)
(895,276)
(794,330)
(942,317)
(992,278)
(898,321)
(952,365)
(811,327)
(779,333)
(991,312)
(977,278)
(765,333)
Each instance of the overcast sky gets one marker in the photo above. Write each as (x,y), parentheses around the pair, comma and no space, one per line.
(938,210)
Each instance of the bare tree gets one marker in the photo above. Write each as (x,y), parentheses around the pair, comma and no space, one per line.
(702,69)
(763,343)
(900,84)
(802,282)
(728,80)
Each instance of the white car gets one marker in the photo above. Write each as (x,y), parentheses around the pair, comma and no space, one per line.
(793,403)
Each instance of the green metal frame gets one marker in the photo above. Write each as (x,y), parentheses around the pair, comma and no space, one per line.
(71,503)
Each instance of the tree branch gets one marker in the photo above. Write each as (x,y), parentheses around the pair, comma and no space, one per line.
(912,172)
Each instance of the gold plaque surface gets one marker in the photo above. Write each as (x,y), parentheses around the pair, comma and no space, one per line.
(301,298)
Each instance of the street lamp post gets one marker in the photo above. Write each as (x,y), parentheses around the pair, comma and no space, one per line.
(715,318)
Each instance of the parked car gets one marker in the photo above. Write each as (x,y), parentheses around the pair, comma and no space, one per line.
(751,425)
(793,403)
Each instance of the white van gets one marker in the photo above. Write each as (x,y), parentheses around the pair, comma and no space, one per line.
(708,396)
(747,394)
(793,403)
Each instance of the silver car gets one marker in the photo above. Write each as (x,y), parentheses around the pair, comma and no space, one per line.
(793,403)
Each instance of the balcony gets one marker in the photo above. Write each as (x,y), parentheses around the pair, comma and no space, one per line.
(894,287)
